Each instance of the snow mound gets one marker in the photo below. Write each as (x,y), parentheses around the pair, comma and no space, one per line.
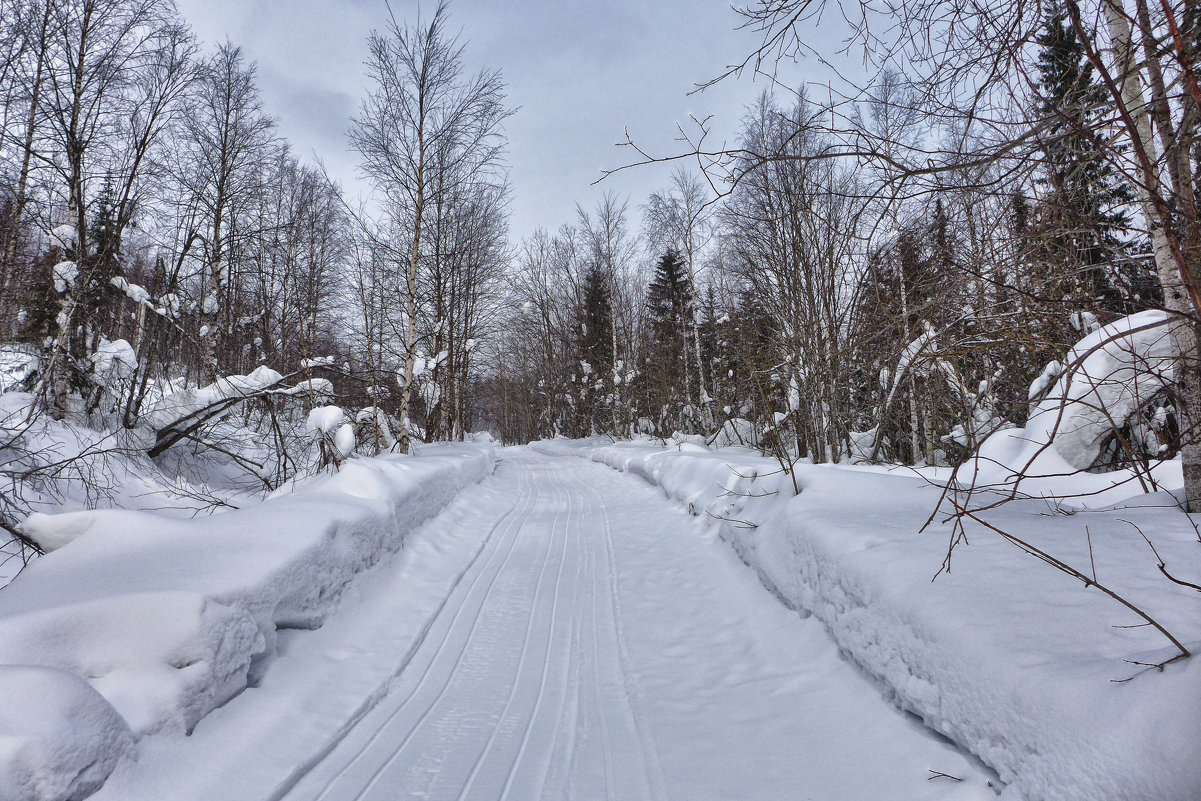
(59,738)
(53,531)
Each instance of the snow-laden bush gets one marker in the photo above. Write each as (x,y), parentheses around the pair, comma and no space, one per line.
(1111,393)
(736,431)
(334,436)
(1108,378)
(373,430)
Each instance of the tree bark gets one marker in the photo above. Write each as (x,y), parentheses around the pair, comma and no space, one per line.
(1172,264)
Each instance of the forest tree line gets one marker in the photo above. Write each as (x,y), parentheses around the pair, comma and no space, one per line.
(157,231)
(828,302)
(881,277)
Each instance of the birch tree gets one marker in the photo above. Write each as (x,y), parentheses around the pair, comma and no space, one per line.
(227,138)
(421,116)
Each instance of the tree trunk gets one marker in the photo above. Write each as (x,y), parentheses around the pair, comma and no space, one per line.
(1173,266)
(406,393)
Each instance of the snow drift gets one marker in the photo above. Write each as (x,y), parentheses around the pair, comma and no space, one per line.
(140,622)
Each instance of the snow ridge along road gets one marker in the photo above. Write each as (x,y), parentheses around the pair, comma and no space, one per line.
(560,632)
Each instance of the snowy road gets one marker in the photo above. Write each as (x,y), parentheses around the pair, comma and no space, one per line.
(562,632)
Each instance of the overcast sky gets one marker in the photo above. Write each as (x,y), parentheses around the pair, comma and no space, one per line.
(580,72)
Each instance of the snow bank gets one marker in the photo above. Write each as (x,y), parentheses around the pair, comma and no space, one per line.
(167,619)
(1011,659)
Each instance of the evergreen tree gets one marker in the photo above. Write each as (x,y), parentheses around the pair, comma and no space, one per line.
(594,354)
(99,302)
(40,303)
(715,346)
(669,298)
(755,352)
(668,371)
(943,243)
(1085,224)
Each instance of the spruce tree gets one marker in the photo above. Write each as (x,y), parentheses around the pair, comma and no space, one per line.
(594,354)
(99,303)
(1084,219)
(669,371)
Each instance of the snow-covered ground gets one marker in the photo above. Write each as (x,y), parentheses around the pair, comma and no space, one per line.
(142,624)
(566,631)
(1015,661)
(561,631)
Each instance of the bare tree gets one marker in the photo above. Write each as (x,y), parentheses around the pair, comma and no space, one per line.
(422,116)
(227,140)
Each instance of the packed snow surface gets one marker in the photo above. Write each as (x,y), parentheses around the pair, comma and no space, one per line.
(1019,663)
(560,632)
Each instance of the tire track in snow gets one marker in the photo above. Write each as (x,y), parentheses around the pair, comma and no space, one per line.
(504,526)
(598,689)
(545,663)
(650,754)
(375,698)
(447,707)
(452,631)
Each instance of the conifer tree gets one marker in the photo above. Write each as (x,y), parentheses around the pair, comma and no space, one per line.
(594,355)
(1084,219)
(669,372)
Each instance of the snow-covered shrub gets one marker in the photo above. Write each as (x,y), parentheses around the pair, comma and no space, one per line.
(373,430)
(334,436)
(737,431)
(1111,399)
(1107,406)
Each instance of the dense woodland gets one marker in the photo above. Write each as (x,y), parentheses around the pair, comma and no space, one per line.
(878,277)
